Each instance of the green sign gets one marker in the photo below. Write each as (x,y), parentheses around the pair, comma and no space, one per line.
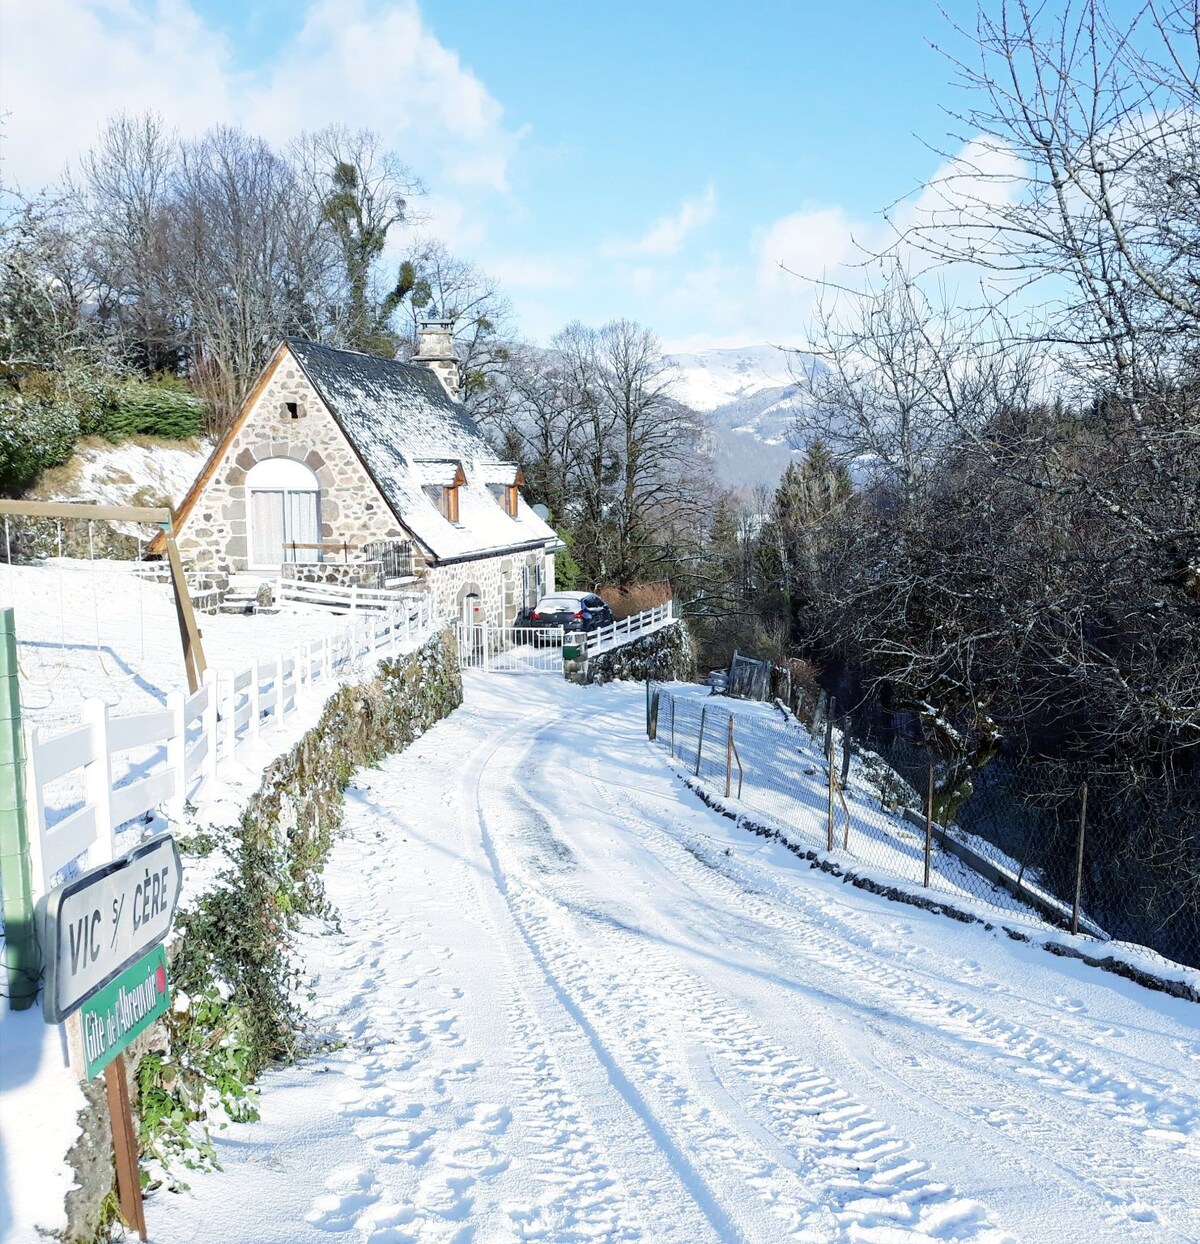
(125,1007)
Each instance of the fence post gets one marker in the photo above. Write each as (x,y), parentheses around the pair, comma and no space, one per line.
(829,765)
(22,960)
(845,751)
(647,707)
(1079,857)
(700,740)
(929,828)
(280,692)
(176,755)
(255,701)
(97,778)
(729,758)
(227,682)
(353,600)
(208,723)
(654,717)
(325,668)
(672,727)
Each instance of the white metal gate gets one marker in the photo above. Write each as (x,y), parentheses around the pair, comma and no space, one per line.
(511,649)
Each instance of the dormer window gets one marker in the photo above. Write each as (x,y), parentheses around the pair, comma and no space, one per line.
(445,496)
(509,494)
(448,503)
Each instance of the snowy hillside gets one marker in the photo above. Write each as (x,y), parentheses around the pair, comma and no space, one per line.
(713,378)
(135,472)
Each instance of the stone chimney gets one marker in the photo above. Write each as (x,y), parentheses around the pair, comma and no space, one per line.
(435,350)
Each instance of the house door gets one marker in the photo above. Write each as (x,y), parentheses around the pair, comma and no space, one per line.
(283,509)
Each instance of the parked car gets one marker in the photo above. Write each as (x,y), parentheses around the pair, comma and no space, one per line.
(573,611)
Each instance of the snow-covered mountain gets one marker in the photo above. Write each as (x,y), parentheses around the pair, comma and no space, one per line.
(713,378)
(751,397)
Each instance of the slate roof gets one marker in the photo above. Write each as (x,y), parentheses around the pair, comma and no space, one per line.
(406,430)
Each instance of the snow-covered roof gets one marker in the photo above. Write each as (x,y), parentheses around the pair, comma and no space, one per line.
(410,435)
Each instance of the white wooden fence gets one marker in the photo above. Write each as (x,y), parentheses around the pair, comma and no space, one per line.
(188,742)
(539,650)
(615,634)
(344,599)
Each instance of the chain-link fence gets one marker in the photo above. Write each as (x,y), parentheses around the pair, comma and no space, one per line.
(1013,833)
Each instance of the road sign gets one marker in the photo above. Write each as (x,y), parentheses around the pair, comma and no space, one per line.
(109,1020)
(102,922)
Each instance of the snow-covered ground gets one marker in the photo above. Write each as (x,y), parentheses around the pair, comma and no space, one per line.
(575,1004)
(95,629)
(712,378)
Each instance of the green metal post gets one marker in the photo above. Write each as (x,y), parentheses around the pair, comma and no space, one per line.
(20,938)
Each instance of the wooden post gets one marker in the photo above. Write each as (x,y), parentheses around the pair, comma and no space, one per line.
(189,632)
(845,752)
(647,707)
(729,758)
(672,727)
(129,1183)
(700,740)
(929,828)
(829,766)
(1079,857)
(255,701)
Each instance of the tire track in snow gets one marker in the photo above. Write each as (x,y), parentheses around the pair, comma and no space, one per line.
(688,1176)
(1090,1092)
(796,1127)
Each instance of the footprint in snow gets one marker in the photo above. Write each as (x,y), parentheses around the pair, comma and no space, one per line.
(350,1191)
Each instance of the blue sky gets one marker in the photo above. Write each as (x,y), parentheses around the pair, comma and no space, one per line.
(652,160)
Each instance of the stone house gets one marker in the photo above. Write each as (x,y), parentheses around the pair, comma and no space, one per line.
(349,468)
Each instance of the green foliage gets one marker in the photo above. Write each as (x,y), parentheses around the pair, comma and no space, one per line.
(165,407)
(566,568)
(34,434)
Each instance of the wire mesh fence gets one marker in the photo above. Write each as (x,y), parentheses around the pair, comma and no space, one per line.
(1011,837)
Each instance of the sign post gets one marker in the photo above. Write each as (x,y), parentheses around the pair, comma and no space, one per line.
(16,888)
(106,971)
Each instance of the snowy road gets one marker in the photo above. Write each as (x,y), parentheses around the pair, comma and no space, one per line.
(577,1005)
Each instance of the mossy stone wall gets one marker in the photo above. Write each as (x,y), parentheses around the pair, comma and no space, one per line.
(668,655)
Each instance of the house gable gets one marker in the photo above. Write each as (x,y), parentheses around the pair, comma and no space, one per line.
(283,417)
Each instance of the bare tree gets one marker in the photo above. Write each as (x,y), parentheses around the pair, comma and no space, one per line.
(363,192)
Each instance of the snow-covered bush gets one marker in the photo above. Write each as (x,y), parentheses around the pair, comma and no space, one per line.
(34,434)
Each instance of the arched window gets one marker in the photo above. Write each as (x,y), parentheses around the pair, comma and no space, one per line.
(283,506)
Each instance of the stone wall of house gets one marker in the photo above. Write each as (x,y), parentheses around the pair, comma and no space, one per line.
(215,535)
(497,581)
(342,574)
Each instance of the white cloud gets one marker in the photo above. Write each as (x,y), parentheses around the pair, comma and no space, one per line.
(536,272)
(66,65)
(668,233)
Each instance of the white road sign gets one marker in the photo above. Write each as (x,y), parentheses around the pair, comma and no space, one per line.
(101,922)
